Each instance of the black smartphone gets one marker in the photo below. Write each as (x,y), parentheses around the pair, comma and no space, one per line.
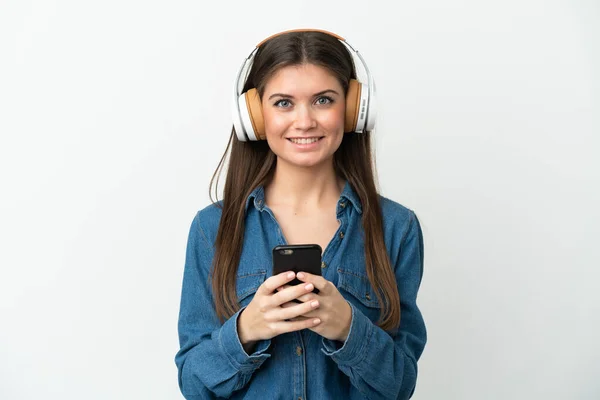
(297,257)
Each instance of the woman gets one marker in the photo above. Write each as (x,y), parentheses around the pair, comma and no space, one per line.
(300,171)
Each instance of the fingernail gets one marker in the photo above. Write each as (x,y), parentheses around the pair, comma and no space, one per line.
(290,275)
(309,286)
(314,303)
(316,321)
(300,275)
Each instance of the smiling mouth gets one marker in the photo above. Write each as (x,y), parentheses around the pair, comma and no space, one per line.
(305,140)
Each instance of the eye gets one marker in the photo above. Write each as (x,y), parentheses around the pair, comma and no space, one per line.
(326,101)
(282,103)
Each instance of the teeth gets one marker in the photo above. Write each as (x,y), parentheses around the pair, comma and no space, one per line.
(304,141)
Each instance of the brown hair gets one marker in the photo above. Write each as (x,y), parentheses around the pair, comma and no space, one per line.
(252,163)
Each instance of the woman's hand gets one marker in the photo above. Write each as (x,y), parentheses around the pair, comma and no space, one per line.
(334,311)
(264,317)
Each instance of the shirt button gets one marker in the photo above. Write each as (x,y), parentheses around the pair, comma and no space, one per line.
(323,265)
(341,235)
(342,204)
(299,350)
(259,202)
(368,296)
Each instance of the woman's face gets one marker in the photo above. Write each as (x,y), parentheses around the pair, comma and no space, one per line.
(303,109)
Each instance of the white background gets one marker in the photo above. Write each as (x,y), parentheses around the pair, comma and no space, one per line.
(114,114)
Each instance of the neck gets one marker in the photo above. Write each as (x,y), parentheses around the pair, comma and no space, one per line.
(303,188)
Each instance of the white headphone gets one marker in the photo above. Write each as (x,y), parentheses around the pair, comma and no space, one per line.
(247,109)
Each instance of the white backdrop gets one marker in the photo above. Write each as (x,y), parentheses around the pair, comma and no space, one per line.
(114,114)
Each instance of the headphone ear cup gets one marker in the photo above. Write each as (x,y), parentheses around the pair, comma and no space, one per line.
(254,108)
(352,105)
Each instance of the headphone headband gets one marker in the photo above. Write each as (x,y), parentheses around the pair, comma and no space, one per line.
(244,124)
(301,30)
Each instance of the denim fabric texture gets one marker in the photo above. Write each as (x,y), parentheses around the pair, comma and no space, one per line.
(370,364)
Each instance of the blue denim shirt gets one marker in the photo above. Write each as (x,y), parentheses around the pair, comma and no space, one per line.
(370,364)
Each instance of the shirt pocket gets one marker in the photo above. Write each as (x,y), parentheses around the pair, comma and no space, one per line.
(247,284)
(356,288)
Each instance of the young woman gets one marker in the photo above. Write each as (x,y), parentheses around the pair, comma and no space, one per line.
(300,171)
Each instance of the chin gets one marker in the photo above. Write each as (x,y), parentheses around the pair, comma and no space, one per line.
(306,162)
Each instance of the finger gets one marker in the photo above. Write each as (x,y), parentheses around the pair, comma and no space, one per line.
(312,314)
(303,299)
(298,319)
(315,313)
(308,297)
(319,282)
(275,281)
(289,304)
(285,313)
(292,326)
(280,288)
(291,293)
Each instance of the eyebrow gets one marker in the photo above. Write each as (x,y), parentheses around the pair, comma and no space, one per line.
(291,97)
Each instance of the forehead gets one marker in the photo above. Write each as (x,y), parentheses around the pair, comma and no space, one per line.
(302,79)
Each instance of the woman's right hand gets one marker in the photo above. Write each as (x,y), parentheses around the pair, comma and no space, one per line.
(264,318)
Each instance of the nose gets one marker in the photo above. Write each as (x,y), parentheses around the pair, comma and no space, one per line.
(304,118)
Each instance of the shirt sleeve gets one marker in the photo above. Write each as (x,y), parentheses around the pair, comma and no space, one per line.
(380,364)
(211,360)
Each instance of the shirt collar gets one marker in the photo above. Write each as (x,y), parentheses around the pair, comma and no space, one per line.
(257,197)
(349,194)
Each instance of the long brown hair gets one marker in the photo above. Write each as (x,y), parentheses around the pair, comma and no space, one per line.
(252,163)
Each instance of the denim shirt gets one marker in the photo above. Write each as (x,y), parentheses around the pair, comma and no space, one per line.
(370,364)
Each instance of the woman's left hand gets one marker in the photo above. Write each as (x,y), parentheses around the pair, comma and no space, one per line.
(333,311)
